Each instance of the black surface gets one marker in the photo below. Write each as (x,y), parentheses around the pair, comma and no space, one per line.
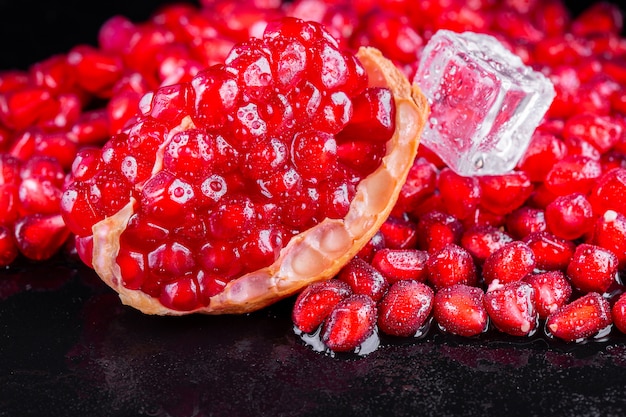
(69,348)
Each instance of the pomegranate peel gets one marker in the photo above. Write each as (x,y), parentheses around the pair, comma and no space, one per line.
(315,254)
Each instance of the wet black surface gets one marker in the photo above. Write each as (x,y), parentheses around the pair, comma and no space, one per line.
(69,348)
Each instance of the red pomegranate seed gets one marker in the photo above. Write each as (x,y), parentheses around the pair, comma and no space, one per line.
(315,302)
(399,233)
(459,310)
(401,264)
(618,313)
(405,308)
(510,263)
(39,236)
(603,132)
(363,278)
(460,195)
(583,148)
(609,232)
(584,317)
(95,71)
(449,266)
(23,108)
(544,150)
(501,194)
(350,323)
(551,252)
(609,192)
(8,247)
(573,174)
(481,241)
(436,229)
(569,216)
(592,268)
(600,18)
(524,221)
(511,308)
(375,244)
(552,290)
(420,184)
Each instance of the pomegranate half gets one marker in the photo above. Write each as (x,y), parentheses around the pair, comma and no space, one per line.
(252,180)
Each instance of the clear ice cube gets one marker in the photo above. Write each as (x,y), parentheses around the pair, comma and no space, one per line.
(485,103)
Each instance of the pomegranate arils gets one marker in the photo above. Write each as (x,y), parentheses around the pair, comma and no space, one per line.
(350,323)
(511,308)
(609,192)
(552,290)
(363,278)
(618,313)
(401,264)
(510,263)
(459,310)
(501,194)
(592,268)
(609,232)
(573,174)
(460,195)
(551,252)
(584,317)
(449,266)
(405,308)
(436,230)
(314,303)
(481,241)
(569,216)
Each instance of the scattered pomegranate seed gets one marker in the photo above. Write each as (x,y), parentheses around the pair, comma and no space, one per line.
(618,313)
(551,252)
(449,266)
(584,317)
(552,291)
(609,232)
(512,262)
(314,303)
(569,216)
(511,308)
(350,322)
(592,268)
(459,310)
(363,278)
(405,308)
(401,264)
(436,230)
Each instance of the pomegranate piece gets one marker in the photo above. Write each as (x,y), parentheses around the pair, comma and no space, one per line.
(584,317)
(592,268)
(247,158)
(405,308)
(315,302)
(510,263)
(459,310)
(363,278)
(552,290)
(350,323)
(401,264)
(449,266)
(511,308)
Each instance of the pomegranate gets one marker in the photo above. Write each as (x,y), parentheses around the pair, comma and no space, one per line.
(253,179)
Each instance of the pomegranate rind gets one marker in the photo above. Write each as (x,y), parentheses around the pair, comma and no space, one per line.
(319,252)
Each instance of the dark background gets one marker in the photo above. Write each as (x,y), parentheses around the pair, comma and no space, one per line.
(33,30)
(68,348)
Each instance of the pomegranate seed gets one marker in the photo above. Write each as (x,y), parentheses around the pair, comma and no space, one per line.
(314,304)
(551,252)
(8,247)
(401,264)
(510,263)
(363,278)
(459,310)
(449,266)
(482,241)
(569,216)
(573,174)
(618,313)
(584,317)
(592,268)
(405,308)
(460,195)
(609,192)
(552,291)
(436,229)
(544,150)
(350,323)
(525,220)
(420,184)
(511,308)
(599,18)
(501,194)
(95,71)
(603,132)
(39,236)
(399,233)
(610,233)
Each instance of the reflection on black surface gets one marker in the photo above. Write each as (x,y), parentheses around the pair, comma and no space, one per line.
(69,348)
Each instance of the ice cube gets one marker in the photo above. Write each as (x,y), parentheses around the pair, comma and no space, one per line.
(485,103)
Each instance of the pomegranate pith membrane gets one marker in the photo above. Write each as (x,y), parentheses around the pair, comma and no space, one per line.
(69,106)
